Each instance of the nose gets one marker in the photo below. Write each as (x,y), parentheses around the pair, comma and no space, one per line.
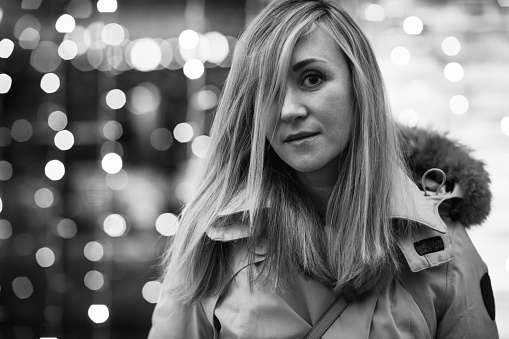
(293,107)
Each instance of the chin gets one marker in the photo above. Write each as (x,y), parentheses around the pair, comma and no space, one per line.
(306,167)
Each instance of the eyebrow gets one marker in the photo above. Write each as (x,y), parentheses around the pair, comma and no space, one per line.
(303,63)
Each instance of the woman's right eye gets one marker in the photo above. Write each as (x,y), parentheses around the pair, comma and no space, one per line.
(312,80)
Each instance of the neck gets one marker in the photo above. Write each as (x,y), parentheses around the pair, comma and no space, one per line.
(319,184)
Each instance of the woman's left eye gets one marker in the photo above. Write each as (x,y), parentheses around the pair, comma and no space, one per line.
(312,80)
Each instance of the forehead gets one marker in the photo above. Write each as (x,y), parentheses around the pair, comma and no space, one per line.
(319,45)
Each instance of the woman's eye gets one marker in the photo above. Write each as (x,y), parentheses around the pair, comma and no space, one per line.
(312,80)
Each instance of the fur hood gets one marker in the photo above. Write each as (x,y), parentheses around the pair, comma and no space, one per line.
(426,149)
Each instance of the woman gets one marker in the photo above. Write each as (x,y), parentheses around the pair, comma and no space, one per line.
(304,199)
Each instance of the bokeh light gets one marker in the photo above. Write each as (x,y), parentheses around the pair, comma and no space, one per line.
(22,287)
(68,50)
(112,147)
(200,146)
(26,21)
(64,140)
(400,56)
(6,48)
(183,132)
(80,9)
(98,313)
(5,170)
(44,198)
(183,190)
(65,24)
(95,57)
(117,181)
(45,257)
(167,224)
(144,98)
(112,130)
(194,69)
(145,54)
(81,37)
(115,99)
(115,225)
(413,25)
(504,125)
(29,38)
(189,39)
(50,83)
(57,120)
(115,58)
(458,104)
(178,60)
(374,12)
(45,58)
(27,30)
(113,34)
(94,280)
(161,139)
(22,130)
(93,251)
(95,30)
(112,163)
(151,291)
(166,53)
(107,6)
(451,46)
(31,4)
(453,72)
(218,47)
(5,229)
(5,83)
(206,98)
(200,53)
(408,117)
(54,170)
(67,228)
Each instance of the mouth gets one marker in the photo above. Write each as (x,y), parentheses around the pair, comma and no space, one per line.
(299,136)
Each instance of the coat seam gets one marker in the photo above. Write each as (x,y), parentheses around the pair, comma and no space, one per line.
(444,299)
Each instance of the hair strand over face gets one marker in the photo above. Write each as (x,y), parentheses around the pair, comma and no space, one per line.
(354,249)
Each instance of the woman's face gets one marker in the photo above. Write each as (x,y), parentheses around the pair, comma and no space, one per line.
(314,124)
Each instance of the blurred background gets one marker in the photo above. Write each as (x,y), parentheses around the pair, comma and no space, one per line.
(105,107)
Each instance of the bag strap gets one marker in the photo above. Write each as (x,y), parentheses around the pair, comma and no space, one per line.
(328,318)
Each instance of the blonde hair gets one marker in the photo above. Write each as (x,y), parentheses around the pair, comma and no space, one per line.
(356,248)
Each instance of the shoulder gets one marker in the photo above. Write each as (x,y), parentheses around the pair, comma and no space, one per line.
(457,293)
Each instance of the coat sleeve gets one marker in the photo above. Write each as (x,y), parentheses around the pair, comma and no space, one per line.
(468,309)
(174,320)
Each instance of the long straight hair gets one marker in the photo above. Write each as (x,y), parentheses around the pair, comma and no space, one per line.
(354,248)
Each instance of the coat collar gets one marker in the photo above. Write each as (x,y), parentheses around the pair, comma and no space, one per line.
(408,202)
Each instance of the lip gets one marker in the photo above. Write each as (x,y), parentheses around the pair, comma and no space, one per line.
(299,136)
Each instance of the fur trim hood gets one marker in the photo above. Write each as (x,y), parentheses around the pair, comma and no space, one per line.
(426,149)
